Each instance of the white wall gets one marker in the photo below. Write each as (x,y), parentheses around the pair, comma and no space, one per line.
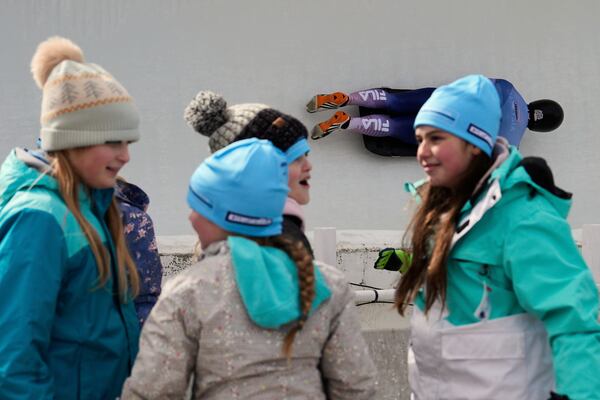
(281,52)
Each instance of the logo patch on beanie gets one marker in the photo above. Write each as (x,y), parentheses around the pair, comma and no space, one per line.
(247,220)
(481,134)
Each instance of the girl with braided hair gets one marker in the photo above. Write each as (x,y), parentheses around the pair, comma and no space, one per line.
(256,318)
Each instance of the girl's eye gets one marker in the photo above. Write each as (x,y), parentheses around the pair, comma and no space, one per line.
(115,143)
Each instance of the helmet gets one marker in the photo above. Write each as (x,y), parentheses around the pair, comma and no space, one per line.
(544,115)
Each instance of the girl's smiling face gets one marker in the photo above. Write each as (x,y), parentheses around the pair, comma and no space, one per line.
(298,177)
(444,157)
(98,166)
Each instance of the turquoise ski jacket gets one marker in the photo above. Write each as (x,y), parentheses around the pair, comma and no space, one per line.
(520,257)
(61,337)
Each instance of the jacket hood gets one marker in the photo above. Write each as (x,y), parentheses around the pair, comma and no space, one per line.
(132,194)
(513,174)
(268,283)
(24,170)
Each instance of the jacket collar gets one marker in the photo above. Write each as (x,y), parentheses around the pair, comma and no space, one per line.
(507,179)
(24,170)
(132,194)
(294,209)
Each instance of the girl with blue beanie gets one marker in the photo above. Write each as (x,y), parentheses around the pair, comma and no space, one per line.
(67,320)
(255,318)
(504,305)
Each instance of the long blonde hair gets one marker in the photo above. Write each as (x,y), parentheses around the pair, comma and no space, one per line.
(127,276)
(306,280)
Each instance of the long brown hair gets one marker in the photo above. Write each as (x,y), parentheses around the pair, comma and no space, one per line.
(430,233)
(68,183)
(306,280)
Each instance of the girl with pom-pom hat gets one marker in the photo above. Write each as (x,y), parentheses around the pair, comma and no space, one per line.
(69,328)
(209,115)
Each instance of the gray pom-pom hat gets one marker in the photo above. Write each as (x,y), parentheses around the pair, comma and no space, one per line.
(209,115)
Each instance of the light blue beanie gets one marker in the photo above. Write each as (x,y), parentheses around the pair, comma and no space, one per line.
(242,188)
(468,108)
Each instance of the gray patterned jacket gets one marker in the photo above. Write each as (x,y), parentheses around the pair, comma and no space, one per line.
(199,327)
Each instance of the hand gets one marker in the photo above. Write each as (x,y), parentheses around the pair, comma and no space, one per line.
(393,260)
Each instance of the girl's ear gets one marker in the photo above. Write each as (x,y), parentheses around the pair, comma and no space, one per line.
(475,151)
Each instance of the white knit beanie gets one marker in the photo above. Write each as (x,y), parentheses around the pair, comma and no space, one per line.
(83,105)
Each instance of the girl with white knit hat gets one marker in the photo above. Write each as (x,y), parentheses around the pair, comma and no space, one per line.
(69,328)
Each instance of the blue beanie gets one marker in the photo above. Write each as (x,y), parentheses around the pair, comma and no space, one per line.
(468,108)
(242,188)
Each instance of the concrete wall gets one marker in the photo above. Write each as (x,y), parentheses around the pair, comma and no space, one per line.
(282,52)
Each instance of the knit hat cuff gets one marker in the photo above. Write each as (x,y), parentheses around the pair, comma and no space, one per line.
(472,133)
(57,139)
(233,222)
(468,108)
(297,150)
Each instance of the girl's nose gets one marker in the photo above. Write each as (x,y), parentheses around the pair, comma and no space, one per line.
(124,152)
(307,165)
(423,150)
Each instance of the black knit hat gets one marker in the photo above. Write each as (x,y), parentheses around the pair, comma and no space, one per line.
(209,115)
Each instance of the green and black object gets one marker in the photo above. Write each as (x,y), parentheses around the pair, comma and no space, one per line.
(391,259)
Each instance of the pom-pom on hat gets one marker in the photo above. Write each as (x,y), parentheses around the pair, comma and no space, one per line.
(82,105)
(468,108)
(242,188)
(209,115)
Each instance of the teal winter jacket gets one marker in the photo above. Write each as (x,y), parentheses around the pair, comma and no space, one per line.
(61,336)
(520,257)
